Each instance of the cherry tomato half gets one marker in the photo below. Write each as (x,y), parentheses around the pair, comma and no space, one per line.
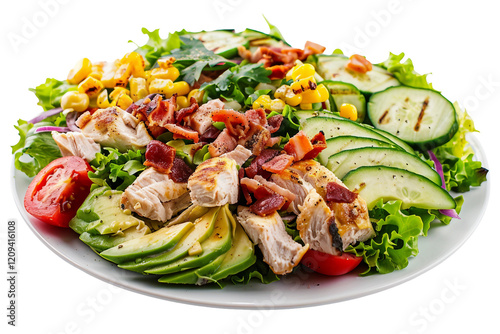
(58,190)
(327,264)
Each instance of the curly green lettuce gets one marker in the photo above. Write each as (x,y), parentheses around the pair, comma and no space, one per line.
(405,72)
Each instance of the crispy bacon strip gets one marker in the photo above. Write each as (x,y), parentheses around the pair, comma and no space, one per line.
(338,194)
(298,146)
(278,164)
(223,144)
(180,171)
(255,167)
(236,122)
(181,132)
(160,156)
(319,144)
(180,114)
(268,205)
(274,123)
(258,116)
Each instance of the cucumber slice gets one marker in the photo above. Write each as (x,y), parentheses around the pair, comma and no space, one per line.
(342,92)
(394,139)
(302,115)
(333,127)
(222,42)
(388,183)
(333,67)
(343,162)
(421,117)
(341,143)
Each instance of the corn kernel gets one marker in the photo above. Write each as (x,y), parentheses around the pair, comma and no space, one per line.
(162,86)
(171,73)
(286,94)
(122,74)
(81,70)
(349,111)
(306,106)
(115,94)
(90,86)
(277,105)
(323,93)
(97,70)
(303,72)
(181,88)
(263,101)
(198,96)
(311,96)
(137,63)
(124,101)
(108,76)
(166,62)
(182,102)
(102,99)
(75,100)
(138,89)
(303,85)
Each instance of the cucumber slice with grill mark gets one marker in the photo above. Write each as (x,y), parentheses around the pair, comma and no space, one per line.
(333,127)
(342,92)
(373,183)
(333,67)
(343,162)
(222,42)
(421,117)
(341,143)
(302,115)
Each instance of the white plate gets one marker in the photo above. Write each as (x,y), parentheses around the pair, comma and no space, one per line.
(297,290)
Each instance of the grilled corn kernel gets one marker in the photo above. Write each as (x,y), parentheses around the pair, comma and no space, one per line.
(108,76)
(198,96)
(75,100)
(181,88)
(97,70)
(171,73)
(263,101)
(102,99)
(166,62)
(162,86)
(115,94)
(311,96)
(138,88)
(137,63)
(277,105)
(303,85)
(286,94)
(348,110)
(90,86)
(81,70)
(124,101)
(323,93)
(122,74)
(303,71)
(182,102)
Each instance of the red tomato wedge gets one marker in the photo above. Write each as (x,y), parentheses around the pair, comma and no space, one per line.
(332,265)
(58,190)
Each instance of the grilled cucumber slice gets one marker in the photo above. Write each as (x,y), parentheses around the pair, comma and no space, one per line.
(333,67)
(388,183)
(222,42)
(343,162)
(421,117)
(342,92)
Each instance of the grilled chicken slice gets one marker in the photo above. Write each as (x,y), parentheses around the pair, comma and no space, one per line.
(155,196)
(239,154)
(114,127)
(292,181)
(201,119)
(76,144)
(314,225)
(214,182)
(280,251)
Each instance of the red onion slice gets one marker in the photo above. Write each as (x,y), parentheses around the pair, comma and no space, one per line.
(439,169)
(52,128)
(45,115)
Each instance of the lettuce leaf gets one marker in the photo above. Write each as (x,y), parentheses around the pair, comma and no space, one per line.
(405,72)
(157,47)
(34,151)
(460,169)
(49,93)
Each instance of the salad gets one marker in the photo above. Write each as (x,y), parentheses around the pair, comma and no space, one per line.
(222,156)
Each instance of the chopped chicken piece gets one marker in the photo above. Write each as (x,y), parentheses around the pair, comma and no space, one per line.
(315,174)
(201,119)
(155,196)
(114,127)
(239,154)
(214,182)
(76,144)
(292,181)
(280,251)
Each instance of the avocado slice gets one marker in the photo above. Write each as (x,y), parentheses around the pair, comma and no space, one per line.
(156,242)
(203,228)
(218,243)
(85,214)
(103,242)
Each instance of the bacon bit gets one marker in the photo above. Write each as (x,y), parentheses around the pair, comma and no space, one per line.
(268,205)
(181,132)
(314,48)
(278,163)
(255,167)
(165,112)
(262,192)
(338,194)
(258,116)
(235,122)
(179,115)
(279,71)
(287,194)
(359,64)
(273,141)
(256,139)
(319,144)
(243,188)
(180,171)
(223,144)
(250,184)
(160,156)
(298,146)
(210,134)
(274,123)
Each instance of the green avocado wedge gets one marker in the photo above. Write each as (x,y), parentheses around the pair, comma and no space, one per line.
(100,243)
(218,243)
(156,242)
(202,229)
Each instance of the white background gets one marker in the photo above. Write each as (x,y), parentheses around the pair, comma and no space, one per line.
(455,40)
